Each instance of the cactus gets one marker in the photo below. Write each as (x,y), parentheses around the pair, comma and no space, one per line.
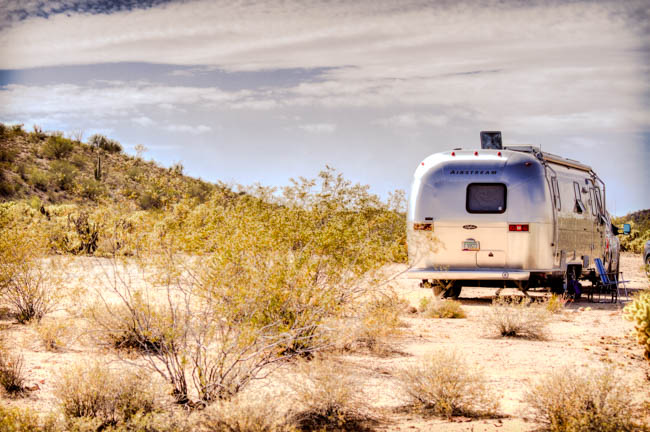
(98,168)
(639,312)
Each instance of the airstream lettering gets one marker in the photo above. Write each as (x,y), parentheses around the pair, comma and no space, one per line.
(506,216)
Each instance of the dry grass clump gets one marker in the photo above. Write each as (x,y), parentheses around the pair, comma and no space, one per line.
(565,401)
(245,413)
(555,304)
(511,317)
(12,372)
(378,319)
(444,384)
(441,308)
(53,334)
(327,399)
(99,395)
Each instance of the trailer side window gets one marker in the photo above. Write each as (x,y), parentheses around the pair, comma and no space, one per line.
(486,198)
(579,207)
(599,201)
(592,201)
(556,194)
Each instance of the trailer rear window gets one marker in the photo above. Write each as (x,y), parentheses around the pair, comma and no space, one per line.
(486,198)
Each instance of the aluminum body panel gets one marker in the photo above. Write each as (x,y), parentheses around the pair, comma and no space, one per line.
(491,275)
(557,237)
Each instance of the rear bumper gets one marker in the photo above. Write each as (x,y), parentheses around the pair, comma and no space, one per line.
(501,274)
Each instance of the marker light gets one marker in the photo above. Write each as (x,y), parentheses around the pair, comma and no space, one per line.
(499,154)
(475,153)
(422,163)
(519,227)
(453,153)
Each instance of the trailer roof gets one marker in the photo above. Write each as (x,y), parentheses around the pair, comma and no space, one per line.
(551,158)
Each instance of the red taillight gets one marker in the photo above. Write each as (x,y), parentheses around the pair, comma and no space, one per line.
(453,153)
(519,227)
(475,153)
(422,163)
(499,154)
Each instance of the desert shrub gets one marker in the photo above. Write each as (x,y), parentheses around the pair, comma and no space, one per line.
(103,394)
(266,273)
(6,185)
(441,308)
(53,334)
(57,147)
(565,401)
(512,317)
(7,155)
(109,145)
(38,178)
(150,199)
(252,412)
(79,160)
(377,319)
(28,283)
(12,371)
(13,419)
(134,172)
(638,311)
(445,384)
(90,188)
(32,291)
(63,174)
(326,398)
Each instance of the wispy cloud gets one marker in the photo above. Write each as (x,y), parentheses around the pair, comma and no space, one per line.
(183,128)
(319,128)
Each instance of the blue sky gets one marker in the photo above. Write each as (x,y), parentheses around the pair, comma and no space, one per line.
(245,91)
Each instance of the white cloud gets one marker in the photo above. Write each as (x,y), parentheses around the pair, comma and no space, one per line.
(194,130)
(414,120)
(319,128)
(143,121)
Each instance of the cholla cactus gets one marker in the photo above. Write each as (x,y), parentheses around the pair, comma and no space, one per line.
(639,312)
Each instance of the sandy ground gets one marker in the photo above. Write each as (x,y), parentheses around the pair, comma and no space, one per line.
(585,336)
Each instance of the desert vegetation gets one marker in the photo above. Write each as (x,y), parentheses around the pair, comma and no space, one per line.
(139,299)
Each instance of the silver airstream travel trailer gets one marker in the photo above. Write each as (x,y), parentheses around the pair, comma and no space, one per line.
(506,216)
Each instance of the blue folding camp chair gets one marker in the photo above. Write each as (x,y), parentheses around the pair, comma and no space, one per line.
(609,284)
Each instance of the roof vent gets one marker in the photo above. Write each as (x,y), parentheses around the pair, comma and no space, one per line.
(491,140)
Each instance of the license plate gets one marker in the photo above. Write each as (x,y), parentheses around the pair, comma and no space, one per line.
(470,245)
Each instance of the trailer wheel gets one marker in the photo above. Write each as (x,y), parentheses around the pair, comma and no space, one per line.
(446,289)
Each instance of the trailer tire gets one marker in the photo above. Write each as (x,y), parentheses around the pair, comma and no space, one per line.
(446,289)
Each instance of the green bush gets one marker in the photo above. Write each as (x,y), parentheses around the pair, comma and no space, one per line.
(63,175)
(6,186)
(446,384)
(638,311)
(91,189)
(7,155)
(57,147)
(107,144)
(565,401)
(38,178)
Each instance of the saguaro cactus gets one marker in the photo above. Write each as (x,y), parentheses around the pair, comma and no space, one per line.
(98,168)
